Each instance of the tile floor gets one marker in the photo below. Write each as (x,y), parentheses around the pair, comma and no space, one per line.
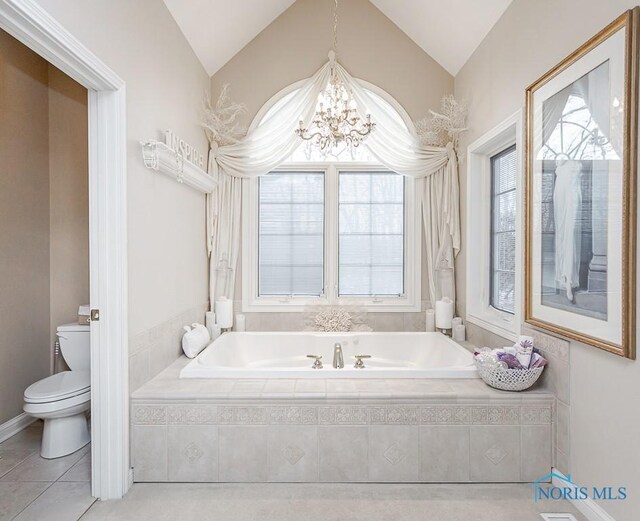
(32,488)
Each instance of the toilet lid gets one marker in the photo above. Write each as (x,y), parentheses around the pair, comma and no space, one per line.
(58,387)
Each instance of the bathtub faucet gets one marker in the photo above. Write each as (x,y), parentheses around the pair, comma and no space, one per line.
(338,360)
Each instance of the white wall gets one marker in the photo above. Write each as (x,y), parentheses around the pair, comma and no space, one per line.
(529,39)
(165,86)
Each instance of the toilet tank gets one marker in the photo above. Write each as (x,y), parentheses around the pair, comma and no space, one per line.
(75,345)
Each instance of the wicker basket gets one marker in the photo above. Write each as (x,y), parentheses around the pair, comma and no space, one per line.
(509,379)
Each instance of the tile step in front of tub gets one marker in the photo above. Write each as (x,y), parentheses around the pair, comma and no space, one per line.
(341,443)
(378,430)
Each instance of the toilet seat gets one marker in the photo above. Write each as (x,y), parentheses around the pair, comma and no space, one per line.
(78,403)
(59,387)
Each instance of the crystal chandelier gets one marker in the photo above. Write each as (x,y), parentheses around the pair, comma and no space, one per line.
(336,119)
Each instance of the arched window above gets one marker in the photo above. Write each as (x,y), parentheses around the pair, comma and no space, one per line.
(331,228)
(306,152)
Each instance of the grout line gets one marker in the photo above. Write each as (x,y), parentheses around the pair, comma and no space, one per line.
(87,509)
(35,498)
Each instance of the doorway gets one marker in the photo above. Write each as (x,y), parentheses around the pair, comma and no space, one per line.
(27,22)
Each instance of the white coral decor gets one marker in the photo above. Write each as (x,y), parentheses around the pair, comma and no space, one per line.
(444,126)
(220,121)
(332,320)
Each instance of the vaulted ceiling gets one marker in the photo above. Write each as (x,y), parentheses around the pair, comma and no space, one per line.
(448,30)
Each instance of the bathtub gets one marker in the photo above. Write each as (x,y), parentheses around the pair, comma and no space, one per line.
(283,355)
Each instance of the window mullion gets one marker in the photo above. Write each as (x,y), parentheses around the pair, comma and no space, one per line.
(331,234)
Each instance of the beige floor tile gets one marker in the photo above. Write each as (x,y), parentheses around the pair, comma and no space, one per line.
(60,502)
(11,458)
(36,468)
(325,502)
(81,471)
(27,439)
(15,497)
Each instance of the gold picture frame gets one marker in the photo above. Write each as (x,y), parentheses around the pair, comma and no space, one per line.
(559,225)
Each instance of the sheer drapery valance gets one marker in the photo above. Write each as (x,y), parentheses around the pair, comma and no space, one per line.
(273,140)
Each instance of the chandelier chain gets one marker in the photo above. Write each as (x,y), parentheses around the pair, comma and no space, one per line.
(336,120)
(335,27)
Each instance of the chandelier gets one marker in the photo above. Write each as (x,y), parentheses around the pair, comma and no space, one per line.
(336,120)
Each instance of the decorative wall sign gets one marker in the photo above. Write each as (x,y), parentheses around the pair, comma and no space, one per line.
(581,192)
(189,152)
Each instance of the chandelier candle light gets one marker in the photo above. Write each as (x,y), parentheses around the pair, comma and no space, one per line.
(336,120)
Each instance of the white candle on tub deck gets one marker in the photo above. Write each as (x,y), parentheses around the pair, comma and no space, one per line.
(459,333)
(224,312)
(444,313)
(431,319)
(241,322)
(456,321)
(216,332)
(210,322)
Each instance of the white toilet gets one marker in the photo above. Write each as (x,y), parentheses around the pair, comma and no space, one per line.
(63,399)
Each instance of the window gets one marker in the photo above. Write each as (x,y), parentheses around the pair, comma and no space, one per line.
(503,230)
(493,238)
(291,224)
(336,228)
(371,234)
(331,233)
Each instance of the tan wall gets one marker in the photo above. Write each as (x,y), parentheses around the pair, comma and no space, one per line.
(527,41)
(165,86)
(44,214)
(370,47)
(24,223)
(68,198)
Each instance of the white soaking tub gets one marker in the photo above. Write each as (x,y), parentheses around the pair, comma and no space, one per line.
(284,355)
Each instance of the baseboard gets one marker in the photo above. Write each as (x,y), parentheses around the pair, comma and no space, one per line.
(15,425)
(587,507)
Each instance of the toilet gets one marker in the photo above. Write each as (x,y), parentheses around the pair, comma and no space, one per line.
(63,399)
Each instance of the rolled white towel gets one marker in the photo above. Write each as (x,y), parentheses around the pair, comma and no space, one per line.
(195,340)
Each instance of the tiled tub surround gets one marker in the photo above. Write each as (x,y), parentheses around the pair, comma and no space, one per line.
(153,350)
(396,430)
(556,379)
(297,321)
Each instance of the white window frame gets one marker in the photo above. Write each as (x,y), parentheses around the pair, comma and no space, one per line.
(409,302)
(478,233)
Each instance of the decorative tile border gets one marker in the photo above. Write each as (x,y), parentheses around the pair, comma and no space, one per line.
(342,415)
(536,415)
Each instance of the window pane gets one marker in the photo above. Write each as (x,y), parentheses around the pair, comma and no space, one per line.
(503,235)
(291,234)
(371,233)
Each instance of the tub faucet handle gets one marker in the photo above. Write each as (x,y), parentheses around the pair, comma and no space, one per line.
(359,363)
(318,361)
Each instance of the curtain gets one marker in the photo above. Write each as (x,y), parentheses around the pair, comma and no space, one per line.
(269,144)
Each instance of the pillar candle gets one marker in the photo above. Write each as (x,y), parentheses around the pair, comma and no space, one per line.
(241,322)
(431,319)
(459,333)
(224,312)
(210,322)
(444,313)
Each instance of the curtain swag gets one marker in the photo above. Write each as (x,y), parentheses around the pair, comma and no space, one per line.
(269,144)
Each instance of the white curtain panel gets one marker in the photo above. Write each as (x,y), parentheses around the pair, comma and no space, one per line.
(270,143)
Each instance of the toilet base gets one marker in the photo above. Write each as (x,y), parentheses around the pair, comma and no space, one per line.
(62,436)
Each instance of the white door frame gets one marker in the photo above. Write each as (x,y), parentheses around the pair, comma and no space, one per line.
(26,21)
